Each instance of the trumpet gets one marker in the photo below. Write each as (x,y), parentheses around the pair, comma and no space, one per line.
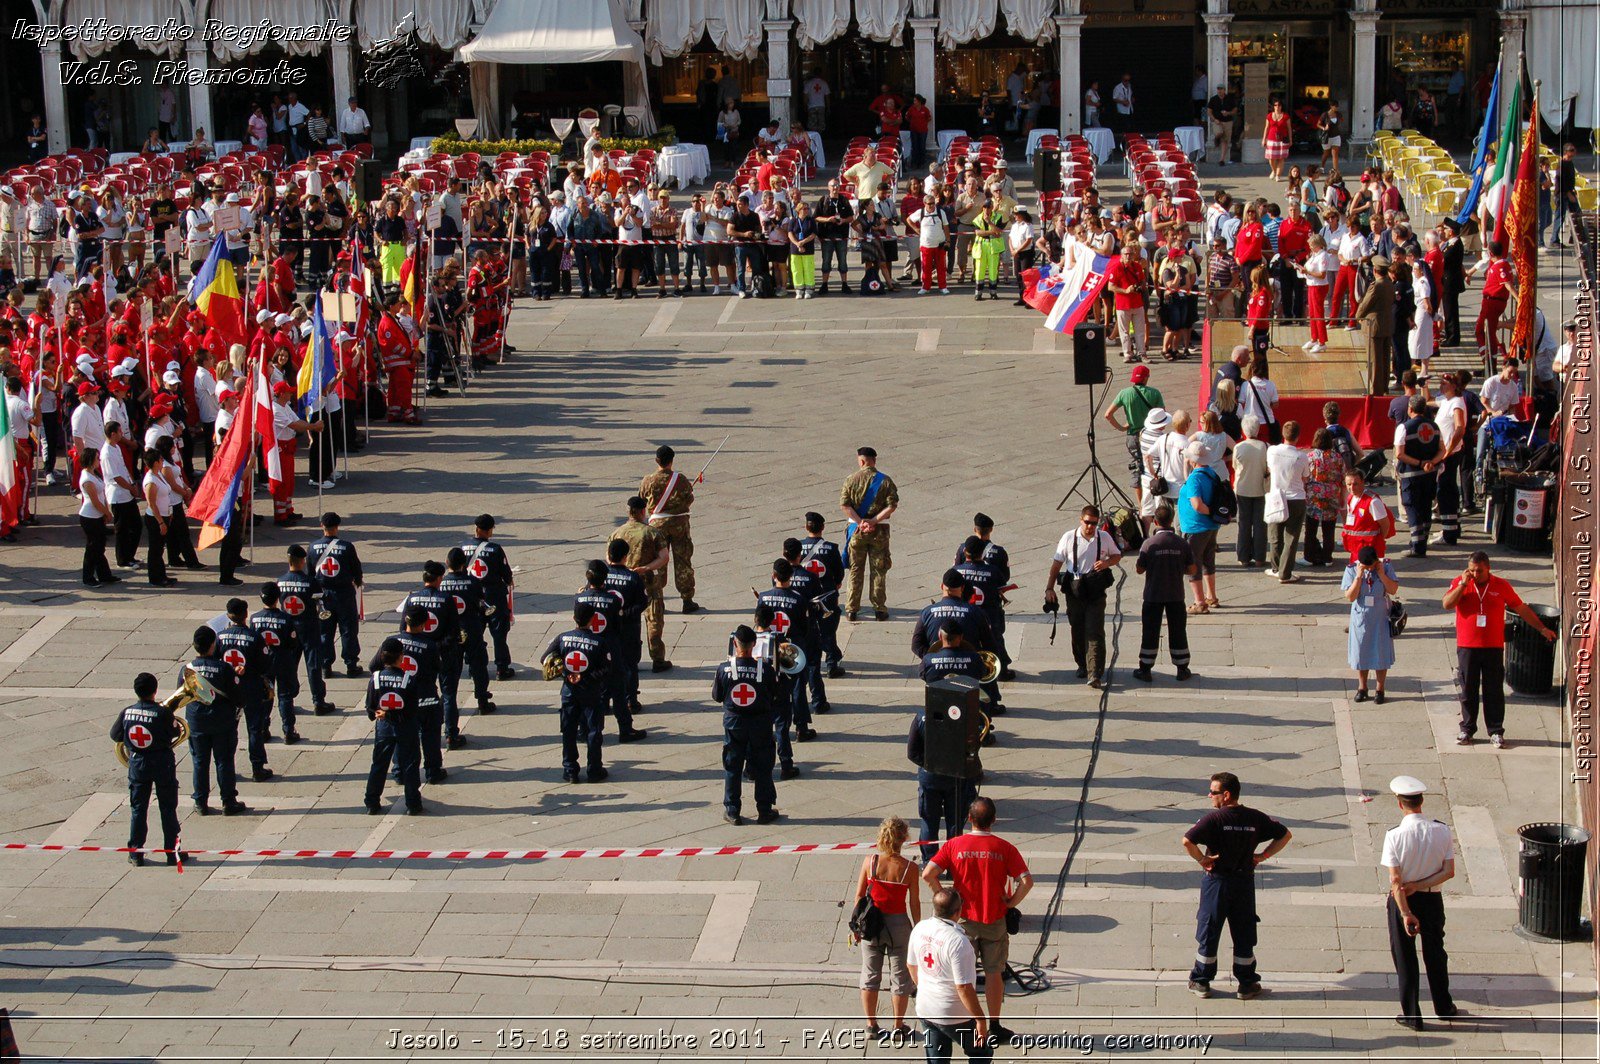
(550,667)
(195,688)
(991,666)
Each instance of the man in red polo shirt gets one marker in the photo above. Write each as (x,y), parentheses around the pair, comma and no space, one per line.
(1128,280)
(1294,245)
(982,869)
(1481,600)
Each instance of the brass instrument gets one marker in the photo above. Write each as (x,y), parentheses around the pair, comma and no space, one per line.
(791,659)
(550,667)
(196,688)
(991,666)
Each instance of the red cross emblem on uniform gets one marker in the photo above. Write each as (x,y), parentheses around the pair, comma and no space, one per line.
(927,960)
(431,624)
(234,657)
(391,701)
(597,623)
(814,566)
(780,622)
(293,606)
(977,596)
(140,736)
(742,694)
(270,638)
(407,663)
(577,661)
(1427,431)
(328,566)
(478,569)
(461,603)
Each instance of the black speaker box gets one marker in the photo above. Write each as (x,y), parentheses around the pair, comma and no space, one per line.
(369,179)
(950,713)
(1047,170)
(1089,353)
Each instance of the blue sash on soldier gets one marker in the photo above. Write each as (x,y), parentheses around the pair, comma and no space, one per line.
(866,504)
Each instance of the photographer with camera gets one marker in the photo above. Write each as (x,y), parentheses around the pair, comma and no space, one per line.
(1082,568)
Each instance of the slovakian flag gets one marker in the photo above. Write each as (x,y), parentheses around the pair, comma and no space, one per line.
(1041,286)
(1080,287)
(216,294)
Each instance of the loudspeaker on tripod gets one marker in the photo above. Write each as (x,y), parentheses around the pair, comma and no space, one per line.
(1089,353)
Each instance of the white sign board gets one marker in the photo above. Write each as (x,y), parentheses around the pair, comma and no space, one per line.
(226,218)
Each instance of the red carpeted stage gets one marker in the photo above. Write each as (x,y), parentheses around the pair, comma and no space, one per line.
(1306,381)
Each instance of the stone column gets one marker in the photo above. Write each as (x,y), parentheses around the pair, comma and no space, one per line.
(1514,31)
(1217,30)
(923,32)
(344,75)
(198,57)
(1362,88)
(779,87)
(1069,42)
(55,101)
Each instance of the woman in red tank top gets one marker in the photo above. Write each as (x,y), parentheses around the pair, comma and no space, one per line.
(894,884)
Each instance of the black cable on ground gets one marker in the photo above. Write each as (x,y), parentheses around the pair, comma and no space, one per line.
(1033,977)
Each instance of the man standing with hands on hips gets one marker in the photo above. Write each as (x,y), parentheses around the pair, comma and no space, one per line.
(1419,858)
(1481,601)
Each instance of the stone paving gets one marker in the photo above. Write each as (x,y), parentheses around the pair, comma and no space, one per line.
(971,408)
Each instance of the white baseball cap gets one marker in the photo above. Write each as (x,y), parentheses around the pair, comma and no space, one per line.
(263,316)
(283,319)
(122,371)
(172,376)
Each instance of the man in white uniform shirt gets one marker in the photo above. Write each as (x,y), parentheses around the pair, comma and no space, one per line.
(1419,857)
(88,427)
(354,126)
(944,967)
(1083,554)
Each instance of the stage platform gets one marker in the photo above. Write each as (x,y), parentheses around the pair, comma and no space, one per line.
(1306,381)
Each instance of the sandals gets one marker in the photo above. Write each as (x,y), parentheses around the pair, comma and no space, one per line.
(1197,609)
(1213,604)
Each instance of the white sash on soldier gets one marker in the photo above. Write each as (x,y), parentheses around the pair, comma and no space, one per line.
(666,493)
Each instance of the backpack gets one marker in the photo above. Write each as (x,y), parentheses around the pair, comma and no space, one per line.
(1126,530)
(764,286)
(1224,503)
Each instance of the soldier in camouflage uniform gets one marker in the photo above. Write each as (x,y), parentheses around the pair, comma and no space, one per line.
(668,496)
(868,499)
(647,556)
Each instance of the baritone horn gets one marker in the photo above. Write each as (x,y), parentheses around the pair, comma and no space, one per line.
(991,666)
(550,667)
(195,688)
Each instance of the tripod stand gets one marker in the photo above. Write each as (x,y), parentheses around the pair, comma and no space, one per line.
(1094,471)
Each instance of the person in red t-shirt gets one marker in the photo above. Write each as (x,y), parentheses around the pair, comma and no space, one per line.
(918,121)
(1497,281)
(1481,601)
(1128,280)
(982,869)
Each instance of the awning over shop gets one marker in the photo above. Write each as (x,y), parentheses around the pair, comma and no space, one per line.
(1562,40)
(559,31)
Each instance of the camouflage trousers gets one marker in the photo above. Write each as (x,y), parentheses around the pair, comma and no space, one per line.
(869,548)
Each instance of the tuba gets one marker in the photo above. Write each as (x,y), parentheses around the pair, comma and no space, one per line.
(196,688)
(991,666)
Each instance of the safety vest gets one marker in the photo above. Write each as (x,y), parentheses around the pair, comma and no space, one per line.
(1361,529)
(1424,443)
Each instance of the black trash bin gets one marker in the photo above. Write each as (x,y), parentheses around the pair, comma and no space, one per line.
(1530,511)
(1530,658)
(1550,882)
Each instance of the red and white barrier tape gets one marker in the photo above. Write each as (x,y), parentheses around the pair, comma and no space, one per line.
(474,855)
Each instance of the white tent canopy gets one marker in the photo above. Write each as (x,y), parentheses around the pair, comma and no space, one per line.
(559,31)
(1563,38)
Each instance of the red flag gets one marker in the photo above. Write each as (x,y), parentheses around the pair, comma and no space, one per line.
(1522,230)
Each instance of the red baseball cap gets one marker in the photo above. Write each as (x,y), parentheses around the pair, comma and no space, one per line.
(283,388)
(87,388)
(1140,374)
